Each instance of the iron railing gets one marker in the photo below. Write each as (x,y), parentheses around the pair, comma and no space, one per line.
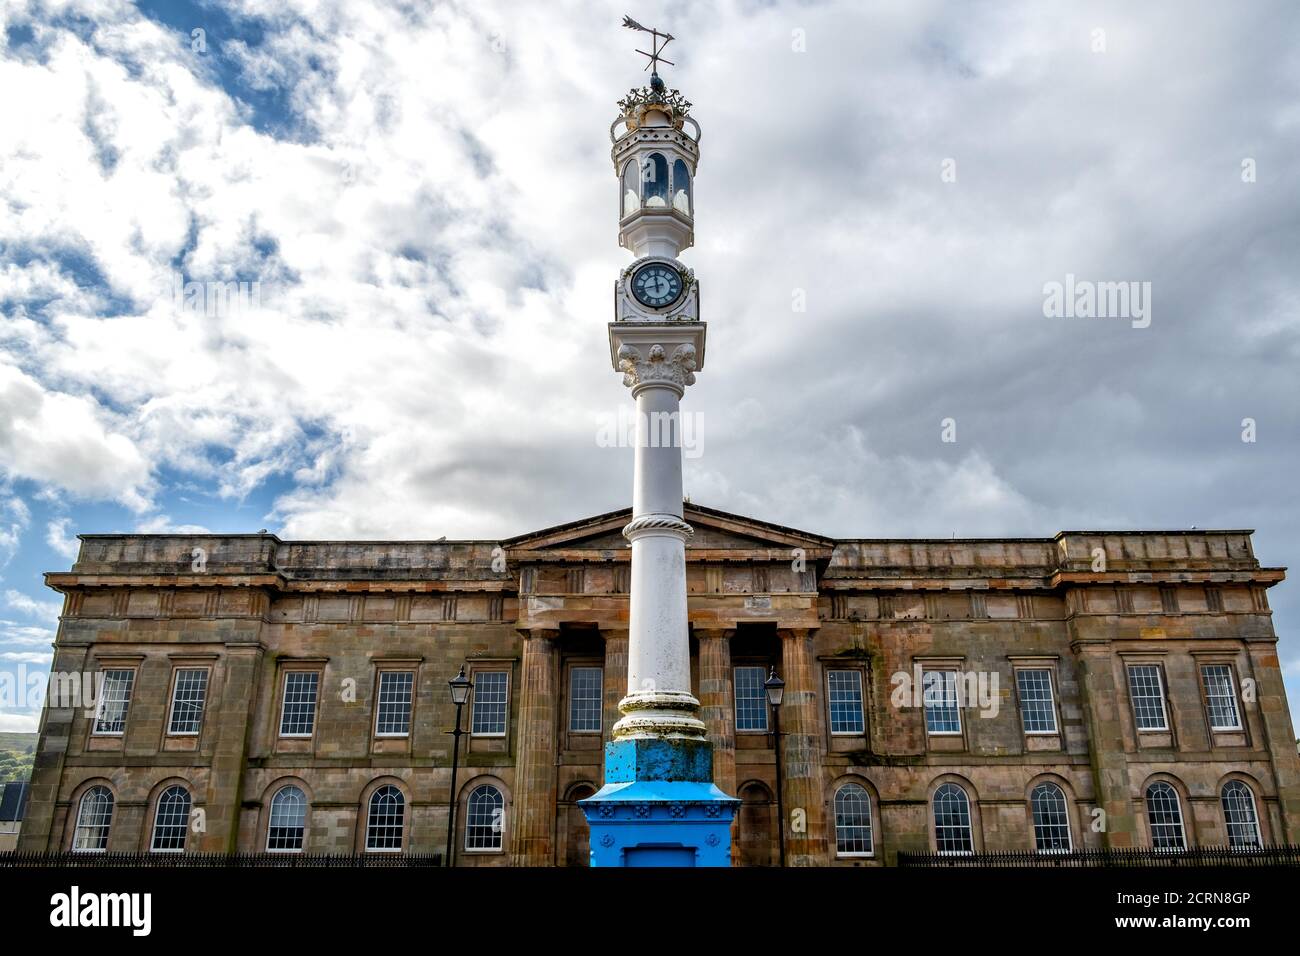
(26,858)
(1269,855)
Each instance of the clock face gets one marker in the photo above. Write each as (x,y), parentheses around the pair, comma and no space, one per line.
(657,285)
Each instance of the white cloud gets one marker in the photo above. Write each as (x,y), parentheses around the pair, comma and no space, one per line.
(58,538)
(12,723)
(43,610)
(26,657)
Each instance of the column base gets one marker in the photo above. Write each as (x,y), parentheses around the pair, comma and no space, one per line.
(660,806)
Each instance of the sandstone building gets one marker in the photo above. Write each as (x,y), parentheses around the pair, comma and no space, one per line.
(1116,689)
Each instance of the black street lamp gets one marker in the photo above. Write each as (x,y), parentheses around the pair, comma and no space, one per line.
(775,688)
(460,687)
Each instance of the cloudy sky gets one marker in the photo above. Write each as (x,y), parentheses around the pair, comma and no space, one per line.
(424,195)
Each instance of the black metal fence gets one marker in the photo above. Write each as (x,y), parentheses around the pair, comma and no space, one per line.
(1271,855)
(368,861)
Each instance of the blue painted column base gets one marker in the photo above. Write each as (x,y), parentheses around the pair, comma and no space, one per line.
(659,806)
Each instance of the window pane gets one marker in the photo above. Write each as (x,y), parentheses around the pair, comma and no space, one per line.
(631,197)
(394,713)
(188,694)
(288,820)
(585,698)
(1036,710)
(299,714)
(1165,817)
(852,821)
(483,819)
(1239,814)
(1220,697)
(171,820)
(114,701)
(1146,690)
(845,701)
(1051,819)
(940,697)
(952,833)
(93,821)
(384,822)
(681,188)
(489,714)
(654,181)
(751,699)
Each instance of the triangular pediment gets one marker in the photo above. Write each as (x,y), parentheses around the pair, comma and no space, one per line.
(715,531)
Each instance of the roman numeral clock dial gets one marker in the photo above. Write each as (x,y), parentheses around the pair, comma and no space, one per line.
(657,286)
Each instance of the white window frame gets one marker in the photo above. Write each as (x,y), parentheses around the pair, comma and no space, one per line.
(956,698)
(126,704)
(1160,696)
(600,699)
(1178,807)
(270,820)
(505,713)
(80,823)
(1254,813)
(500,833)
(1051,701)
(284,703)
(379,700)
(1231,697)
(870,825)
(203,707)
(735,700)
(1065,808)
(370,801)
(185,827)
(862,702)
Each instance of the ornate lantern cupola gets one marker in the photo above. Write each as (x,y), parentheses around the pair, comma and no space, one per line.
(655,157)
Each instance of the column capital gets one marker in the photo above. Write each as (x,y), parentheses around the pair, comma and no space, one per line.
(793,633)
(543,633)
(722,633)
(614,633)
(646,366)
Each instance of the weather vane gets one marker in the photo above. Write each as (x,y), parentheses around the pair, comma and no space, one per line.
(658,42)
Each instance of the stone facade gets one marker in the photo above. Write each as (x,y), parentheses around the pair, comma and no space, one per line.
(1082,606)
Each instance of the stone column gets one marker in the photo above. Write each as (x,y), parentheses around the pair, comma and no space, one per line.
(1102,699)
(1278,734)
(233,717)
(535,780)
(615,681)
(717,703)
(56,732)
(801,752)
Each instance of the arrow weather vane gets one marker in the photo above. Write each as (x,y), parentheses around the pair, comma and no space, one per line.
(657,47)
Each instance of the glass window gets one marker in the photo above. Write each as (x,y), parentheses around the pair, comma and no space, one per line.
(94,818)
(188,694)
(385,819)
(1146,688)
(171,820)
(681,188)
(1051,819)
(1037,709)
(942,715)
(845,697)
(853,821)
(298,713)
(952,831)
(751,699)
(1220,697)
(114,701)
(631,196)
(585,699)
(393,716)
(483,819)
(1239,815)
(489,710)
(654,181)
(1165,817)
(288,821)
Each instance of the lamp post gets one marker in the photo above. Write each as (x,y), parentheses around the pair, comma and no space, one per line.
(775,688)
(460,687)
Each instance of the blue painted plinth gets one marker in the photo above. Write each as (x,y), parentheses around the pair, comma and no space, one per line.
(659,807)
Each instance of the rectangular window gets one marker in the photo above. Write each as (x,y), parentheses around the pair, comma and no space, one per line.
(189,692)
(489,712)
(298,712)
(393,716)
(114,701)
(1221,697)
(586,693)
(1147,690)
(844,692)
(1037,708)
(751,699)
(942,714)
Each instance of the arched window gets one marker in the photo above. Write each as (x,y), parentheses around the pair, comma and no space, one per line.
(288,821)
(631,193)
(1051,819)
(853,821)
(94,817)
(483,818)
(681,188)
(384,822)
(654,182)
(171,820)
(1239,815)
(952,832)
(1165,817)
